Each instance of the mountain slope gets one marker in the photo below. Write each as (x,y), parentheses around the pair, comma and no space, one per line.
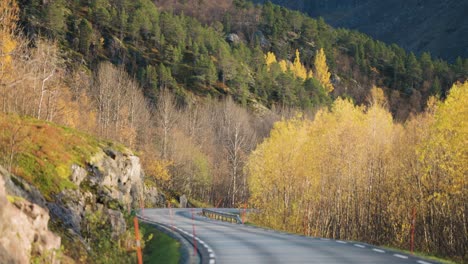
(439,27)
(183,46)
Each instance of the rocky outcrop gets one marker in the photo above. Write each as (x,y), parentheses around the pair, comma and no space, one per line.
(23,231)
(118,176)
(110,182)
(183,201)
(233,38)
(16,186)
(153,197)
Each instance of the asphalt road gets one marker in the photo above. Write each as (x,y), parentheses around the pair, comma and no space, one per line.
(234,243)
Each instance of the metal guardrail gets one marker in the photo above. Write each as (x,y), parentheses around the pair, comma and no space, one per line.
(228,217)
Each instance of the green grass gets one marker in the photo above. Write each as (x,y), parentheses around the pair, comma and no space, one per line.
(159,247)
(44,151)
(422,255)
(199,204)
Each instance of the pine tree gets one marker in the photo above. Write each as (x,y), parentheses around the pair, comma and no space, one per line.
(86,31)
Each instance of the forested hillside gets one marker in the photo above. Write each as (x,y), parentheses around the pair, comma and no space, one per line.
(436,26)
(217,48)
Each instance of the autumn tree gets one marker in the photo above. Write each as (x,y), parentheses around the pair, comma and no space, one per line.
(121,107)
(321,70)
(298,68)
(238,138)
(166,114)
(8,19)
(270,58)
(444,159)
(307,178)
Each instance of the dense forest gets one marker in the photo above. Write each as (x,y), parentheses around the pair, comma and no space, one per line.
(309,178)
(195,86)
(217,47)
(435,26)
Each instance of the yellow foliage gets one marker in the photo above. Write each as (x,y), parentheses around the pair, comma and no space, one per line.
(352,170)
(158,169)
(270,58)
(298,68)
(446,151)
(8,19)
(321,70)
(283,65)
(377,97)
(273,172)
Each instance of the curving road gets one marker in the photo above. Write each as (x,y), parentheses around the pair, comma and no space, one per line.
(221,242)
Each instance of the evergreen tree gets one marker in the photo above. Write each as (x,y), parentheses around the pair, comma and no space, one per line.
(86,32)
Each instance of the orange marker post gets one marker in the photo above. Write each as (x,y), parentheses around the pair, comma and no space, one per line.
(137,237)
(219,202)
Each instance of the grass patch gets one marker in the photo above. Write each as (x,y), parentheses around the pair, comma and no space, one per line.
(12,199)
(44,152)
(199,204)
(159,247)
(424,255)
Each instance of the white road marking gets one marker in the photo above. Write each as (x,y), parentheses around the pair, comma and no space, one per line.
(341,242)
(359,246)
(378,250)
(400,256)
(212,261)
(326,239)
(212,255)
(423,262)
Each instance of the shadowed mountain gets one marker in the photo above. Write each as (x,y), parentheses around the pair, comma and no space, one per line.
(438,26)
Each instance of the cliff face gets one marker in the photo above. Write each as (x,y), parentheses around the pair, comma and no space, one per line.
(437,26)
(24,233)
(109,185)
(111,182)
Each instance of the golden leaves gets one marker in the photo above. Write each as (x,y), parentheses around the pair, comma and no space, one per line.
(321,70)
(8,19)
(352,169)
